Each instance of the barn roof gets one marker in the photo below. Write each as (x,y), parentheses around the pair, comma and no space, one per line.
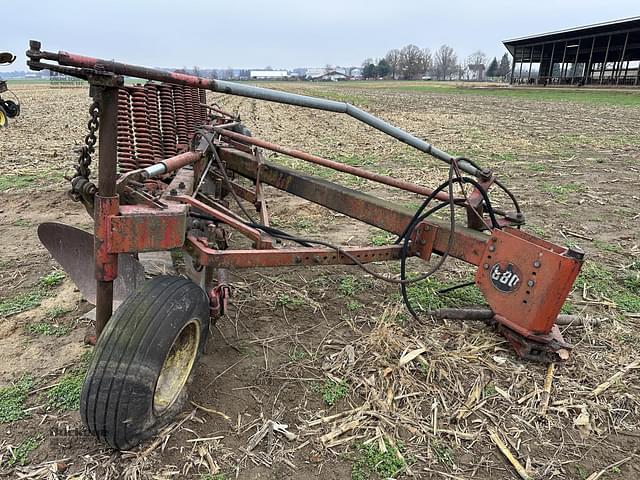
(613,26)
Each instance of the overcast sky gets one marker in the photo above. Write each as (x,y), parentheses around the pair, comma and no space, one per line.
(284,33)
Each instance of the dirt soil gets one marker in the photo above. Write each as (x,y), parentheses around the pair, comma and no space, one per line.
(300,344)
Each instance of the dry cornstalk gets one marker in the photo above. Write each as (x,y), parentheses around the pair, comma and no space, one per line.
(463,435)
(255,440)
(212,411)
(546,391)
(409,356)
(336,416)
(509,456)
(345,427)
(472,399)
(614,378)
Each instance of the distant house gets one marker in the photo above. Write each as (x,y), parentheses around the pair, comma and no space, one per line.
(356,73)
(331,76)
(268,74)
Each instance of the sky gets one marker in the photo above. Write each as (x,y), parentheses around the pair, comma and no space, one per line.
(284,33)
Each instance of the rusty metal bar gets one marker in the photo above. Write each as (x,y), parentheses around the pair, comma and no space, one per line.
(242,90)
(281,257)
(106,203)
(341,167)
(468,244)
(261,239)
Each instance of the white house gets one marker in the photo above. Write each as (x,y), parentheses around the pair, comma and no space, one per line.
(268,74)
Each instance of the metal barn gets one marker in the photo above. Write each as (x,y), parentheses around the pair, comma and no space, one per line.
(606,54)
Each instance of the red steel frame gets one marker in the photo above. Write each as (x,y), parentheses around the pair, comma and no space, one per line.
(525,315)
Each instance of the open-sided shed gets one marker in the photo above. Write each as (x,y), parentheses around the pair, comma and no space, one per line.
(600,54)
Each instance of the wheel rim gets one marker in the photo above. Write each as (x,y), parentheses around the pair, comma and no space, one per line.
(3,119)
(177,366)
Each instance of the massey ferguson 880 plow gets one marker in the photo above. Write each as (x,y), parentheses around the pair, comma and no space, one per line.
(174,172)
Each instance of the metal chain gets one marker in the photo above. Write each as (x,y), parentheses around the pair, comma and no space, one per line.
(81,187)
(88,149)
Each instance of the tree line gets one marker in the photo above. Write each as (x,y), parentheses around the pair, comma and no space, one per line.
(412,62)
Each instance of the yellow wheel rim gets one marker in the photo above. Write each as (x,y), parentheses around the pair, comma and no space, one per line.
(3,119)
(177,366)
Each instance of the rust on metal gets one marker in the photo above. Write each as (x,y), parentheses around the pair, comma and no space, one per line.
(281,257)
(342,167)
(142,229)
(525,282)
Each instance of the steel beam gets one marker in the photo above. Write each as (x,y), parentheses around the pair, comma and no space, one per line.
(468,244)
(106,204)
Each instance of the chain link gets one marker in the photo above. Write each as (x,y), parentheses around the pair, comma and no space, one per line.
(89,147)
(81,187)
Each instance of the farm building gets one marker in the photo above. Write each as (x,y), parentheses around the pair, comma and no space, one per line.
(600,54)
(332,76)
(268,74)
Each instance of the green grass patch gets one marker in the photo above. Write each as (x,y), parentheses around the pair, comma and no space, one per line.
(20,453)
(48,329)
(289,301)
(16,181)
(536,167)
(424,297)
(370,462)
(52,279)
(623,289)
(589,96)
(21,302)
(608,247)
(65,395)
(297,354)
(355,161)
(13,400)
(332,391)
(561,192)
(354,305)
(350,285)
(31,299)
(210,476)
(536,230)
(443,454)
(381,238)
(21,222)
(57,312)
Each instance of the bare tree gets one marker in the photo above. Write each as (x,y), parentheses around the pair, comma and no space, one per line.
(476,64)
(393,59)
(412,62)
(445,64)
(428,60)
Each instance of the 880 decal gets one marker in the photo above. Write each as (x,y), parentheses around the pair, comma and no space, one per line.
(505,278)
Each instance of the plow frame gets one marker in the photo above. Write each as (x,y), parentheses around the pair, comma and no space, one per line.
(525,280)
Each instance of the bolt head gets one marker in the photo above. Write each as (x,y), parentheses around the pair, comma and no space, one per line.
(492,248)
(537,264)
(485,266)
(531,283)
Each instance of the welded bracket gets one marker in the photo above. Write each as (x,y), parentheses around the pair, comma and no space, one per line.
(144,229)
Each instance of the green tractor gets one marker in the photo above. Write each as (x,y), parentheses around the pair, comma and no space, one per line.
(8,108)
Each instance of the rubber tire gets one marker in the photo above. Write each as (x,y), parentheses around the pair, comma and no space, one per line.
(11,108)
(116,402)
(4,118)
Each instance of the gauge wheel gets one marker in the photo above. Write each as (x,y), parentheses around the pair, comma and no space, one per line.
(143,360)
(11,108)
(4,119)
